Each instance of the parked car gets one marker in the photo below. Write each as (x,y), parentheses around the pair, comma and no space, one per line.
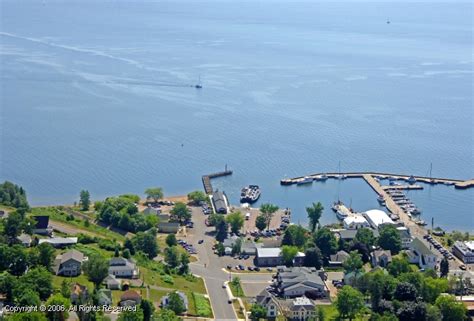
(257,269)
(200,241)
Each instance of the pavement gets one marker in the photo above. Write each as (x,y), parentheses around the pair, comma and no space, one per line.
(212,268)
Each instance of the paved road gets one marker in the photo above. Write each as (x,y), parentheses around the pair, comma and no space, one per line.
(211,268)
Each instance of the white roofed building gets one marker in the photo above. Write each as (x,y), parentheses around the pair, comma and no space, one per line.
(355,222)
(376,218)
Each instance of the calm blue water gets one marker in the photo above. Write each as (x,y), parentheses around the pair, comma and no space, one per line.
(289,88)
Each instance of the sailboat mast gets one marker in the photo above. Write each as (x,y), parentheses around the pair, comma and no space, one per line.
(431,169)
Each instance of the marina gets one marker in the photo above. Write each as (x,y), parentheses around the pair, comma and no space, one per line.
(206,179)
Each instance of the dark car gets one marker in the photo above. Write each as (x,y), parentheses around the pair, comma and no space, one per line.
(250,268)
(200,241)
(256,269)
(241,267)
(229,267)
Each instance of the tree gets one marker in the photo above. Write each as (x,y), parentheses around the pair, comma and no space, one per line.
(380,287)
(197,197)
(175,303)
(433,313)
(314,214)
(215,219)
(18,260)
(398,266)
(66,288)
(221,230)
(131,315)
(405,292)
(360,248)
(26,316)
(13,226)
(444,267)
(60,301)
(260,222)
(288,253)
(258,312)
(155,193)
(236,221)
(220,249)
(450,309)
(412,311)
(366,237)
(126,253)
(39,280)
(294,235)
(313,258)
(129,245)
(84,200)
(172,257)
(146,243)
(148,308)
(171,240)
(267,211)
(14,196)
(96,269)
(353,263)
(432,288)
(184,268)
(28,298)
(325,241)
(180,212)
(7,284)
(349,302)
(389,238)
(237,247)
(166,315)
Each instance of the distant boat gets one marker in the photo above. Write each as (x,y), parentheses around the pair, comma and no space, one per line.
(412,179)
(381,199)
(322,177)
(388,21)
(198,85)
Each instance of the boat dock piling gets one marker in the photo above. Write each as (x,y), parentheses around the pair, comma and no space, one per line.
(206,179)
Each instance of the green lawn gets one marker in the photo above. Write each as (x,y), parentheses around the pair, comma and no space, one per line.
(90,249)
(61,216)
(179,282)
(202,305)
(236,290)
(81,279)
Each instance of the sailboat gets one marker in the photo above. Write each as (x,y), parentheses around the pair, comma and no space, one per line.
(340,176)
(431,181)
(198,85)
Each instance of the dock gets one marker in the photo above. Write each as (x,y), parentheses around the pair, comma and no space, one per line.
(206,179)
(457,183)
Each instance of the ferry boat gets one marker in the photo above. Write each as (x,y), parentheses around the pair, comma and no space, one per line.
(421,222)
(305,180)
(249,194)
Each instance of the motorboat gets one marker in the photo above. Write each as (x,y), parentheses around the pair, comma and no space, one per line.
(305,180)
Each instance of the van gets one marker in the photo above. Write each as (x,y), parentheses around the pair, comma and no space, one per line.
(247,216)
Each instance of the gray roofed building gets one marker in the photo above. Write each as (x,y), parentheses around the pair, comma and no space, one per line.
(230,241)
(464,251)
(24,239)
(123,268)
(69,263)
(250,247)
(421,255)
(184,298)
(339,258)
(219,202)
(59,241)
(112,282)
(405,236)
(168,227)
(381,258)
(301,309)
(299,281)
(268,301)
(152,210)
(104,297)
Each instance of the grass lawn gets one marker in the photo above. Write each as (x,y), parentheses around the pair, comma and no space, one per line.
(81,279)
(238,310)
(61,216)
(202,305)
(236,290)
(330,312)
(89,249)
(156,295)
(179,282)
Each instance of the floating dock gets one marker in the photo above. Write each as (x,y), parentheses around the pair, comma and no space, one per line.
(458,183)
(206,179)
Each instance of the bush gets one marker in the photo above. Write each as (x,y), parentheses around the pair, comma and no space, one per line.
(167,279)
(86,239)
(108,245)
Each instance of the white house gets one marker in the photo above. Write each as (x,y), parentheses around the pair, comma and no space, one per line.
(123,268)
(355,222)
(421,255)
(301,309)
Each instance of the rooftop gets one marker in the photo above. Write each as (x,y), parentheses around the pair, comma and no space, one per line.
(268,252)
(377,217)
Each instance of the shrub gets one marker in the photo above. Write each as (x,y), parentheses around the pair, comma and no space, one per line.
(167,279)
(203,307)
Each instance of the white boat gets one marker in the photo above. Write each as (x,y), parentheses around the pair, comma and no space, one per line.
(321,177)
(305,180)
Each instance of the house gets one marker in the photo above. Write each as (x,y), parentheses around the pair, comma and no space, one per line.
(59,242)
(42,225)
(130,298)
(420,254)
(377,218)
(69,263)
(301,309)
(355,222)
(268,301)
(250,247)
(339,258)
(381,258)
(123,268)
(298,281)
(464,251)
(349,235)
(405,236)
(230,241)
(79,294)
(184,298)
(24,239)
(150,210)
(163,217)
(353,277)
(219,202)
(168,227)
(104,297)
(112,282)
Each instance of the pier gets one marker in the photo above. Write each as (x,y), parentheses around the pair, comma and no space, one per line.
(458,183)
(206,179)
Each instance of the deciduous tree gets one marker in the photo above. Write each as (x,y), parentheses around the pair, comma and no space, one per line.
(260,222)
(154,193)
(389,238)
(267,211)
(349,302)
(314,214)
(180,212)
(313,257)
(84,200)
(96,268)
(236,221)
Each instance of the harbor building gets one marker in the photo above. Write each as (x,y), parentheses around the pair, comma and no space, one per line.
(376,218)
(355,222)
(464,251)
(219,202)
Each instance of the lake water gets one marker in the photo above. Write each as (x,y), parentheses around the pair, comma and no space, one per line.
(98,95)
